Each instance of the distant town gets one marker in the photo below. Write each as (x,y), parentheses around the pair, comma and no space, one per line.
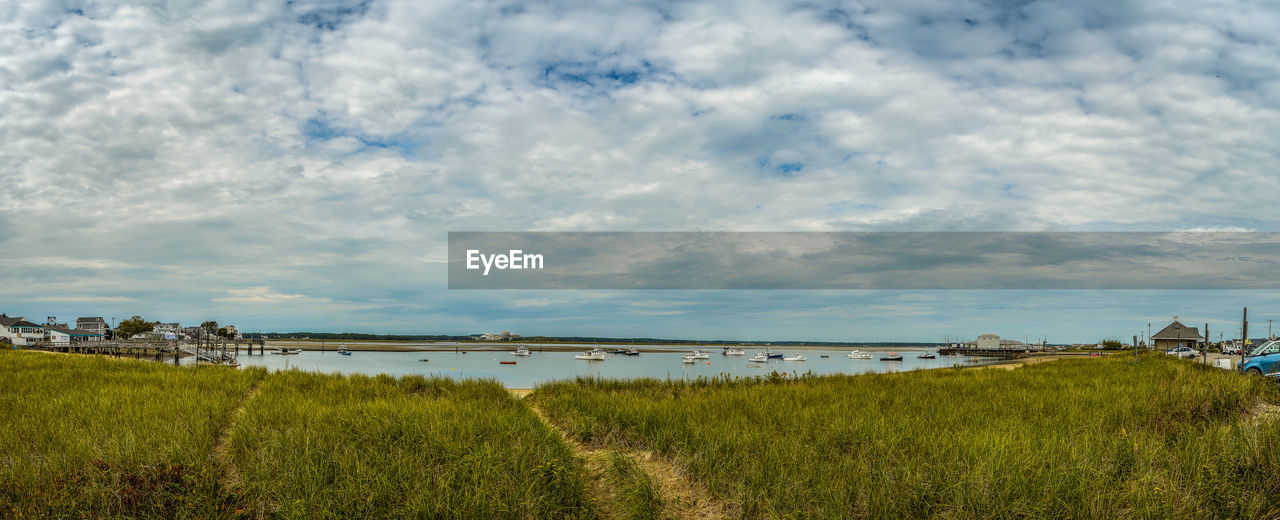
(20,331)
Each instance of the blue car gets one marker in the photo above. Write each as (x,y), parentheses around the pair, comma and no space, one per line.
(1264,360)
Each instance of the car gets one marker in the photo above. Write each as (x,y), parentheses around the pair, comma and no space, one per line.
(1263,361)
(1231,350)
(1182,352)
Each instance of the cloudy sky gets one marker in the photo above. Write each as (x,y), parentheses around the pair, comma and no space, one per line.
(297,165)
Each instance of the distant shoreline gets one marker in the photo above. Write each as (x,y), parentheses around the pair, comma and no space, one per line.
(427,346)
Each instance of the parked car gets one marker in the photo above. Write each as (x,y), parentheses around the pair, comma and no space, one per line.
(1182,352)
(1264,360)
(1230,349)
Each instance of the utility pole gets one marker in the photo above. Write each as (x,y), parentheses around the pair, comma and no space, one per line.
(1148,332)
(1244,334)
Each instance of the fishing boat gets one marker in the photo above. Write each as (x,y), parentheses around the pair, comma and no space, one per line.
(506,362)
(733,352)
(797,357)
(891,356)
(342,350)
(592,355)
(618,351)
(858,354)
(926,355)
(760,357)
(287,352)
(521,351)
(688,359)
(633,352)
(771,355)
(698,354)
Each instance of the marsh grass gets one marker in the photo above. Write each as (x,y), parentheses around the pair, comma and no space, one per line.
(638,496)
(112,438)
(1109,438)
(314,446)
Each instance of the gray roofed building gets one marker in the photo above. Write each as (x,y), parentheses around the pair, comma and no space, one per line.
(1176,335)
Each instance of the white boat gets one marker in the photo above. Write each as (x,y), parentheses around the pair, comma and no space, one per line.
(760,357)
(593,355)
(698,354)
(688,359)
(858,354)
(287,352)
(797,357)
(342,349)
(521,351)
(734,352)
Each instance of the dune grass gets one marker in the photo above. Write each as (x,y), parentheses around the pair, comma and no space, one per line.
(313,446)
(1102,438)
(112,438)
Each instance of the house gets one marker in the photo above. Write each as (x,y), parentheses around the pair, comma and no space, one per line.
(60,335)
(233,332)
(93,324)
(993,342)
(1177,335)
(167,329)
(19,331)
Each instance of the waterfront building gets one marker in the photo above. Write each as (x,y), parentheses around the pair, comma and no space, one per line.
(1177,335)
(18,331)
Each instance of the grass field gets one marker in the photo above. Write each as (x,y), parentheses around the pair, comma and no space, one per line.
(114,438)
(311,446)
(1101,438)
(104,438)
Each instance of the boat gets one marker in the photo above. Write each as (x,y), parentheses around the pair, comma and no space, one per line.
(592,355)
(733,352)
(797,357)
(858,354)
(521,351)
(618,351)
(824,357)
(698,354)
(633,352)
(424,360)
(760,357)
(771,355)
(926,355)
(891,356)
(506,362)
(287,352)
(688,359)
(342,350)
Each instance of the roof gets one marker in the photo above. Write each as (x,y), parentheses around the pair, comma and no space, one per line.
(70,331)
(1177,330)
(15,321)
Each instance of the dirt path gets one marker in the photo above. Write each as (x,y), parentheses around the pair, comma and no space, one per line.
(222,446)
(682,498)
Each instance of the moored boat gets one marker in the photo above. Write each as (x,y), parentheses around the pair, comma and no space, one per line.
(633,352)
(858,354)
(506,362)
(521,351)
(592,355)
(760,357)
(927,355)
(729,351)
(698,354)
(891,356)
(688,359)
(797,357)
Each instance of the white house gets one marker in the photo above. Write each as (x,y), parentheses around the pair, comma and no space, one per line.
(19,331)
(993,342)
(167,329)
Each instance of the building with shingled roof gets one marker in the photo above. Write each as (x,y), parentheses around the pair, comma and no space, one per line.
(1177,335)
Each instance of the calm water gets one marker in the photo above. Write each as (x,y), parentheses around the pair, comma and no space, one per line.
(548,366)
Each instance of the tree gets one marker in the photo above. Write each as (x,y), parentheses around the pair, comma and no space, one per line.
(1111,344)
(134,325)
(210,327)
(223,332)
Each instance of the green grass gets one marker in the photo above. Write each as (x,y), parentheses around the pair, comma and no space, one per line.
(313,446)
(84,434)
(638,495)
(1100,438)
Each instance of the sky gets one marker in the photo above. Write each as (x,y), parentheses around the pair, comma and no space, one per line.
(297,165)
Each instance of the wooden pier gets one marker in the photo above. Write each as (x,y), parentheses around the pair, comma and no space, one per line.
(990,352)
(218,351)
